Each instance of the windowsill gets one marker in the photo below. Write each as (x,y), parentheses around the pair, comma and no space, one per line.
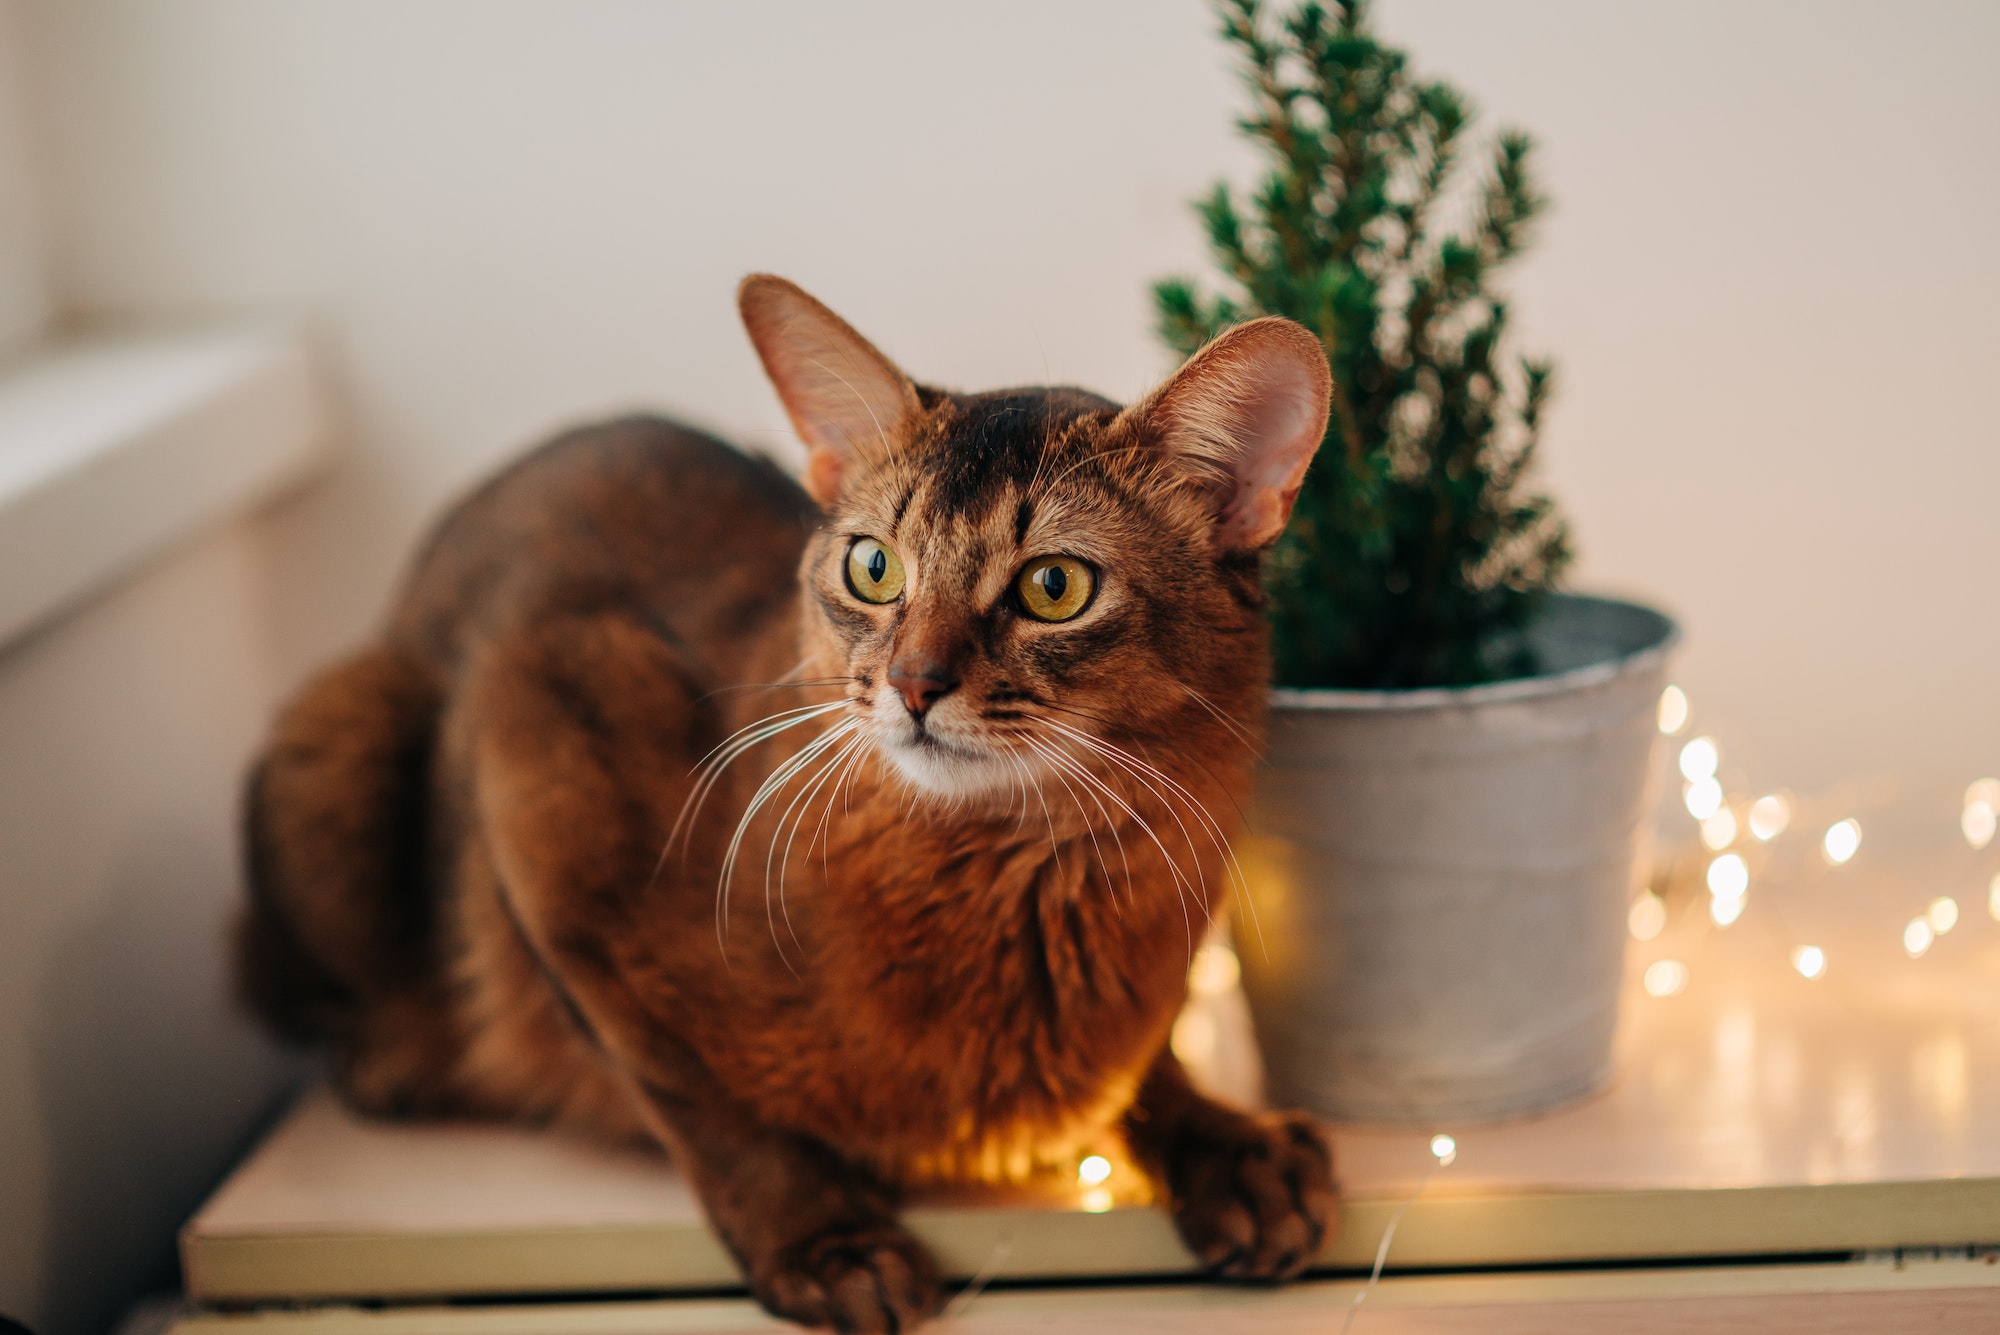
(116,447)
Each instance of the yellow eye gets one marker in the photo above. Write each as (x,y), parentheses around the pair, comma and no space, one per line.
(1055,588)
(874,572)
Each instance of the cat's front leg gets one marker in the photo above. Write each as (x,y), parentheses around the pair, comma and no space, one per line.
(1251,1194)
(816,1236)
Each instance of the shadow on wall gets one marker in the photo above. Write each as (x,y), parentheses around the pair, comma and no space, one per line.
(135,1052)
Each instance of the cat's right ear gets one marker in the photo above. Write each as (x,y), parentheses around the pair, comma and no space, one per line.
(849,403)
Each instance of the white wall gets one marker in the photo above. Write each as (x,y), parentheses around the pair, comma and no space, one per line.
(1769,282)
(1769,277)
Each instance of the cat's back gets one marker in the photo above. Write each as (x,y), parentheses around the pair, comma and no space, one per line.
(639,513)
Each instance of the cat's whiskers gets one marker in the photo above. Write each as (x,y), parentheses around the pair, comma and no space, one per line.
(1243,734)
(1090,828)
(771,787)
(1146,772)
(802,803)
(1052,754)
(725,753)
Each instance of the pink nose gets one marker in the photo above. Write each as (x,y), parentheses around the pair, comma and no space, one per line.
(921,684)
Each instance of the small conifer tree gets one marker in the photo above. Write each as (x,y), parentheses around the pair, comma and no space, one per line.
(1416,556)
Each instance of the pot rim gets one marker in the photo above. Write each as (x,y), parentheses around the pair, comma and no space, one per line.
(1328,699)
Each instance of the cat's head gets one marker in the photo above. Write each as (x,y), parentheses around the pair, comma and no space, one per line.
(1009,576)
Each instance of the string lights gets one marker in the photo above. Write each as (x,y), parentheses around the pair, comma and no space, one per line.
(1729,827)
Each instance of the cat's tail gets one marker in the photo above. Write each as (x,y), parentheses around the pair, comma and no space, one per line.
(334,834)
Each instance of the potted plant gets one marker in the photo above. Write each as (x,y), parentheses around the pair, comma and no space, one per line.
(1447,832)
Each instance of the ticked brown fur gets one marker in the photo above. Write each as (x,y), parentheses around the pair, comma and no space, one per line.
(953,945)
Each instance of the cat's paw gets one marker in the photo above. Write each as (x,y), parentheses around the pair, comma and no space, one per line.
(857,1278)
(1254,1201)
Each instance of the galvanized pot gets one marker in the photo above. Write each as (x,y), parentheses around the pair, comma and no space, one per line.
(1439,879)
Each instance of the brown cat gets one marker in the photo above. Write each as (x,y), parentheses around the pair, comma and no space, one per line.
(946,934)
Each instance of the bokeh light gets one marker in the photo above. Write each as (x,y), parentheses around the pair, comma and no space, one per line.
(1810,961)
(1769,815)
(1942,914)
(1842,841)
(1917,936)
(1703,798)
(1647,917)
(1666,978)
(1699,759)
(1719,830)
(1673,710)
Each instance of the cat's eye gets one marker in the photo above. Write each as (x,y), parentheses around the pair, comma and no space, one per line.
(1055,588)
(874,572)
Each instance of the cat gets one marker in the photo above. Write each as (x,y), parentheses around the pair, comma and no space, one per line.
(838,838)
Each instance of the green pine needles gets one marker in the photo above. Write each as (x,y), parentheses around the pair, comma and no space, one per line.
(1415,556)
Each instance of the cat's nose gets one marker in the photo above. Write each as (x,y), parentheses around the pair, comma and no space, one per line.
(921,682)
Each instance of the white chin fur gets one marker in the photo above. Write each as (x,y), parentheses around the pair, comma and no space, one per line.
(949,772)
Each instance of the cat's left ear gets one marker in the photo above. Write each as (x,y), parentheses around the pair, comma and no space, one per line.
(1244,415)
(849,402)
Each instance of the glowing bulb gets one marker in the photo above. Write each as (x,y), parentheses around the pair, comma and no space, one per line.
(1097,1200)
(1194,1038)
(1943,915)
(1719,830)
(1810,961)
(1665,978)
(1093,1170)
(1648,917)
(1978,822)
(1673,710)
(1699,759)
(1215,970)
(1728,876)
(1842,840)
(1703,798)
(1769,816)
(1444,1148)
(1917,937)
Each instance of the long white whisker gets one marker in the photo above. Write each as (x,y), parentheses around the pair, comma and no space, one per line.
(1214,829)
(1054,755)
(781,776)
(802,803)
(1092,831)
(726,753)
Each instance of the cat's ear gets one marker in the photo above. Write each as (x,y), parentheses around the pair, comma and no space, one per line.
(847,400)
(1244,415)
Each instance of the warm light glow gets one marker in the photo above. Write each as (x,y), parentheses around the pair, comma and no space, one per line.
(1666,978)
(1943,915)
(1993,897)
(1444,1148)
(1699,759)
(1769,815)
(1842,840)
(1703,798)
(1673,710)
(1097,1200)
(1093,1170)
(1978,822)
(1728,876)
(1984,790)
(1810,961)
(1724,910)
(1719,830)
(1215,970)
(1194,1038)
(1917,937)
(1648,917)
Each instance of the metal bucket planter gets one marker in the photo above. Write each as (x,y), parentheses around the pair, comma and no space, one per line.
(1439,880)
